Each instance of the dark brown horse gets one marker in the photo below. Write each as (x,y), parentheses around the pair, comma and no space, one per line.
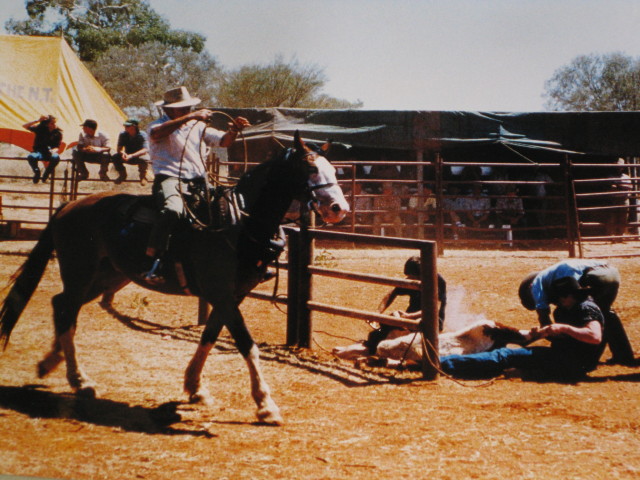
(100,249)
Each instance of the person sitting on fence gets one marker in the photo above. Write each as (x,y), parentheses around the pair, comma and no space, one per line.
(576,337)
(46,146)
(388,206)
(414,310)
(478,207)
(509,208)
(133,149)
(93,147)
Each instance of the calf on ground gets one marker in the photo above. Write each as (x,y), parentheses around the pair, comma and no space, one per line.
(402,345)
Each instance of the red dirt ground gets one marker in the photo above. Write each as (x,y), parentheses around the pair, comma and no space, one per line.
(341,422)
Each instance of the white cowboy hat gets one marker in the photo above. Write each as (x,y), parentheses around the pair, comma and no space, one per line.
(177,98)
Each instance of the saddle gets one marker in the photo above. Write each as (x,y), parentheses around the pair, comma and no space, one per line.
(216,209)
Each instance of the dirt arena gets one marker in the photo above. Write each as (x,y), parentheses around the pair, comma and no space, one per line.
(341,422)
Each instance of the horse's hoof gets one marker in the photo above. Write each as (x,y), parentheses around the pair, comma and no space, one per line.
(87,392)
(270,417)
(201,397)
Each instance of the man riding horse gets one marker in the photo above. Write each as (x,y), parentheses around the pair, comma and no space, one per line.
(178,142)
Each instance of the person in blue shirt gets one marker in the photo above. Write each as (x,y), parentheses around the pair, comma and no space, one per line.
(604,282)
(576,336)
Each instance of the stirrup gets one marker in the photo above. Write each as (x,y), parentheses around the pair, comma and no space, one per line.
(153,276)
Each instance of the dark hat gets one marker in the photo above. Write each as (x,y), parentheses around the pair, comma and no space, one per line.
(89,123)
(132,122)
(562,287)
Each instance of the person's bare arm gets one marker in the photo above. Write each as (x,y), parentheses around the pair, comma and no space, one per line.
(591,333)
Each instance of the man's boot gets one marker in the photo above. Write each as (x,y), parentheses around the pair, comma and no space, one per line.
(122,175)
(616,337)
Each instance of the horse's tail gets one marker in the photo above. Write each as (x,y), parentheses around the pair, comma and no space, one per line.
(23,283)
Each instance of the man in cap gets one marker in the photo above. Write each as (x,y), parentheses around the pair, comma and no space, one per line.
(93,147)
(133,149)
(576,337)
(177,143)
(604,281)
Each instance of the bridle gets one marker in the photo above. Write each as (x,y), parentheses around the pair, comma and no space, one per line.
(310,190)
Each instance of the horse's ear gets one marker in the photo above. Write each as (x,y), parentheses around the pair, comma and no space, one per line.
(325,148)
(298,144)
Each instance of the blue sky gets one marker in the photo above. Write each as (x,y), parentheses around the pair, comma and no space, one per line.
(412,54)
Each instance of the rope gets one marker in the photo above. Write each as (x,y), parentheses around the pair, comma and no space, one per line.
(213,180)
(427,345)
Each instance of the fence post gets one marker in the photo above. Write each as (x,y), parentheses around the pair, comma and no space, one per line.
(304,292)
(429,322)
(570,206)
(293,290)
(438,191)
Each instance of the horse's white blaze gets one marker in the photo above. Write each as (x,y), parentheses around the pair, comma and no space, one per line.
(332,205)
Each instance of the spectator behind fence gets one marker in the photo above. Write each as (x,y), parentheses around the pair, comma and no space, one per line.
(537,206)
(617,218)
(454,205)
(388,206)
(46,146)
(93,147)
(478,208)
(362,205)
(509,209)
(133,149)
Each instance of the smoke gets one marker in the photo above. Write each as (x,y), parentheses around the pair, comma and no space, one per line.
(457,314)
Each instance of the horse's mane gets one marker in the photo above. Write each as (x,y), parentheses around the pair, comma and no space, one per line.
(254,180)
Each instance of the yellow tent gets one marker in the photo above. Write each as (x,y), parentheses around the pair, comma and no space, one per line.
(43,76)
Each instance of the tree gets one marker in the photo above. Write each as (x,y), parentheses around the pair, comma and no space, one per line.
(93,26)
(608,82)
(136,77)
(277,84)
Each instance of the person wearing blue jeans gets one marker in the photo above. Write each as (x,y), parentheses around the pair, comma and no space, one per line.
(46,145)
(576,337)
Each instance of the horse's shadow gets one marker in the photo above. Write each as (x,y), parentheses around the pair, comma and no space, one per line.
(348,375)
(36,402)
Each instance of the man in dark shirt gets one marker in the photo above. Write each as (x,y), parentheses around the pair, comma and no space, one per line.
(413,311)
(46,146)
(577,342)
(133,149)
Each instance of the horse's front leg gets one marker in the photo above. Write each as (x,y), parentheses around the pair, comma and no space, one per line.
(268,412)
(192,376)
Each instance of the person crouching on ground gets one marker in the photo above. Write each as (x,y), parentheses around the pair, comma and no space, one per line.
(577,342)
(177,143)
(603,280)
(412,271)
(46,145)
